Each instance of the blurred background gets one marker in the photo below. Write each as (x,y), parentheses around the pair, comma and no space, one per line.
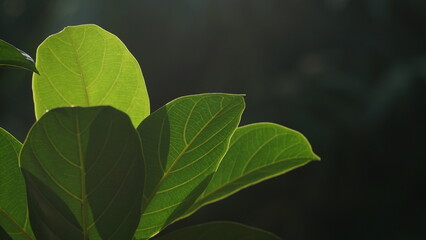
(349,74)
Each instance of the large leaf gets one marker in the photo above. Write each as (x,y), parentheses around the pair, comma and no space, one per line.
(183,143)
(84,174)
(220,231)
(13,57)
(88,66)
(257,152)
(13,199)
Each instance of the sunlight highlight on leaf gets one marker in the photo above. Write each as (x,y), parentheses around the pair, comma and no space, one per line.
(11,56)
(183,143)
(88,66)
(257,152)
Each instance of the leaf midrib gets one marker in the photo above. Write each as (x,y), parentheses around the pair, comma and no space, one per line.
(77,58)
(179,157)
(84,210)
(244,173)
(248,173)
(199,203)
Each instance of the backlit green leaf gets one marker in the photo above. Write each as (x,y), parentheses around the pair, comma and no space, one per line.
(220,231)
(183,143)
(84,174)
(257,152)
(88,66)
(13,199)
(11,56)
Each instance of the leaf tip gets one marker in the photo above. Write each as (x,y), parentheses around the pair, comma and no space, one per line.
(316,158)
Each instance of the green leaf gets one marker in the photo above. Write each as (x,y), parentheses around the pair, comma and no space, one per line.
(257,152)
(88,66)
(220,231)
(13,57)
(83,169)
(183,143)
(13,199)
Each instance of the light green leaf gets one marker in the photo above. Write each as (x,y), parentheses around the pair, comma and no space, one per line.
(88,66)
(220,231)
(11,56)
(257,152)
(183,143)
(84,174)
(13,199)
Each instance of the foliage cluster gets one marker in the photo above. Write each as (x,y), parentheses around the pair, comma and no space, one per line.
(98,165)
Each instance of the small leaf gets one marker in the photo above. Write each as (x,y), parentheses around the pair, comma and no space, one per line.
(83,169)
(13,57)
(182,144)
(88,66)
(257,152)
(13,199)
(220,231)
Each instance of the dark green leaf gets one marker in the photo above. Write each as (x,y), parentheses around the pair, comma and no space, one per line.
(84,174)
(220,231)
(13,199)
(88,66)
(183,143)
(257,152)
(13,57)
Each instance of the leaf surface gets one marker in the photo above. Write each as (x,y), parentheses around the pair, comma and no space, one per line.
(257,152)
(13,199)
(84,174)
(219,231)
(13,57)
(183,143)
(88,66)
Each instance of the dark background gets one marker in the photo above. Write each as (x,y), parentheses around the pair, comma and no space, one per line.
(349,74)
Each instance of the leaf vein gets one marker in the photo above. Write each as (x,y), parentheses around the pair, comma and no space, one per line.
(129,170)
(188,181)
(161,209)
(13,222)
(259,149)
(54,88)
(114,82)
(54,180)
(102,149)
(57,150)
(83,79)
(62,63)
(110,171)
(251,183)
(193,162)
